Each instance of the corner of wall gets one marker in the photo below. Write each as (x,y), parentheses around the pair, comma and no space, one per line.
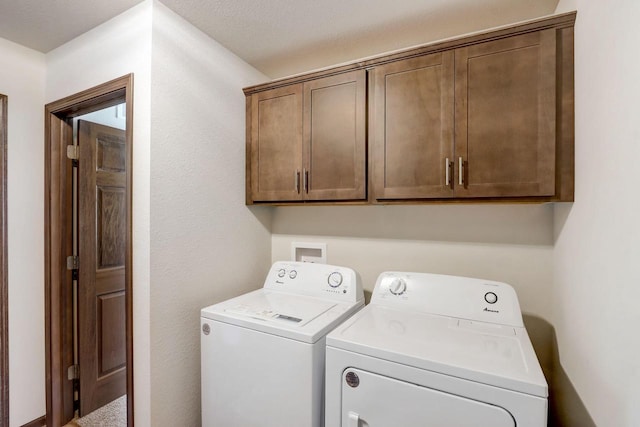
(206,245)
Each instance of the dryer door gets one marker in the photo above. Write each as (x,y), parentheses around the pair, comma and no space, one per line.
(371,400)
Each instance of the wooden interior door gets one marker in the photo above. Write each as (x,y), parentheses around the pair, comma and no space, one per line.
(101,249)
(413,128)
(335,137)
(276,144)
(506,117)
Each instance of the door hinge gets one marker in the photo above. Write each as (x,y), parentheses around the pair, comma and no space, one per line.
(72,152)
(73,262)
(73,372)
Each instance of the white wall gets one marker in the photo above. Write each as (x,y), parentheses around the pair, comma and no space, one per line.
(206,245)
(116,48)
(508,243)
(22,76)
(597,249)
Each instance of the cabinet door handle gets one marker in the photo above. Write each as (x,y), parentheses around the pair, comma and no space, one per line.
(460,171)
(306,181)
(297,181)
(447,172)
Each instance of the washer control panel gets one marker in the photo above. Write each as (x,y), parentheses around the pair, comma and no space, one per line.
(454,296)
(323,280)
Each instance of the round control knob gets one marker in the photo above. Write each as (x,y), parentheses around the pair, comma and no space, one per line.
(281,272)
(398,286)
(335,279)
(293,274)
(491,298)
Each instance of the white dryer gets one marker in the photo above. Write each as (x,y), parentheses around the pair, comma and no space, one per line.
(263,353)
(433,351)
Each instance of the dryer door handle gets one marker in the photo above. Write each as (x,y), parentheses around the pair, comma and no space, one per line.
(354,419)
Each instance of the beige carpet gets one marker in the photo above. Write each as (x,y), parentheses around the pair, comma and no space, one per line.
(113,414)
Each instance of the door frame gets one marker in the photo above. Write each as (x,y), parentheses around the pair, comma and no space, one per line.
(4,280)
(58,239)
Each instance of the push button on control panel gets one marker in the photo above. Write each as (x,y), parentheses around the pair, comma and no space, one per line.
(491,297)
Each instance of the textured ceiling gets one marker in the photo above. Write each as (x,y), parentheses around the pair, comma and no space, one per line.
(46,24)
(281,37)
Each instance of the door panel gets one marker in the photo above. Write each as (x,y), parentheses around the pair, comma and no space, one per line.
(111,226)
(374,400)
(413,134)
(276,144)
(112,355)
(505,117)
(101,295)
(334,137)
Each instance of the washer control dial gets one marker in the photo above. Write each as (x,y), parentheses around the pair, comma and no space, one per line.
(335,279)
(293,274)
(398,286)
(491,297)
(281,272)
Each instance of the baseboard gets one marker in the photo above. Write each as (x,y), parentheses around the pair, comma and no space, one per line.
(39,422)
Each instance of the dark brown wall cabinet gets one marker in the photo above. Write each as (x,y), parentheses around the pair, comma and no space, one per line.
(482,118)
(308,141)
(412,139)
(478,121)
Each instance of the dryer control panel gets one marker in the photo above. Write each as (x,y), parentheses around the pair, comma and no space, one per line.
(453,296)
(319,280)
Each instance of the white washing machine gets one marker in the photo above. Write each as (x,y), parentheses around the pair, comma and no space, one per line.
(263,353)
(435,351)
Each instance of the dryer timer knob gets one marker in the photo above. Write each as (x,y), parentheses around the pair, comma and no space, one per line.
(398,286)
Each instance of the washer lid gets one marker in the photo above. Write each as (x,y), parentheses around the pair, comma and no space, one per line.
(298,317)
(497,355)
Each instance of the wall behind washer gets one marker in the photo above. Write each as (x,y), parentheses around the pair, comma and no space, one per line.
(508,243)
(22,77)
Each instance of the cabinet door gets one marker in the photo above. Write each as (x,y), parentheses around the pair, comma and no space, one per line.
(413,128)
(276,144)
(506,117)
(334,137)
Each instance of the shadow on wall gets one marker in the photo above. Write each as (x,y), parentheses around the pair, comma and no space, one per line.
(263,214)
(561,212)
(565,406)
(521,224)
